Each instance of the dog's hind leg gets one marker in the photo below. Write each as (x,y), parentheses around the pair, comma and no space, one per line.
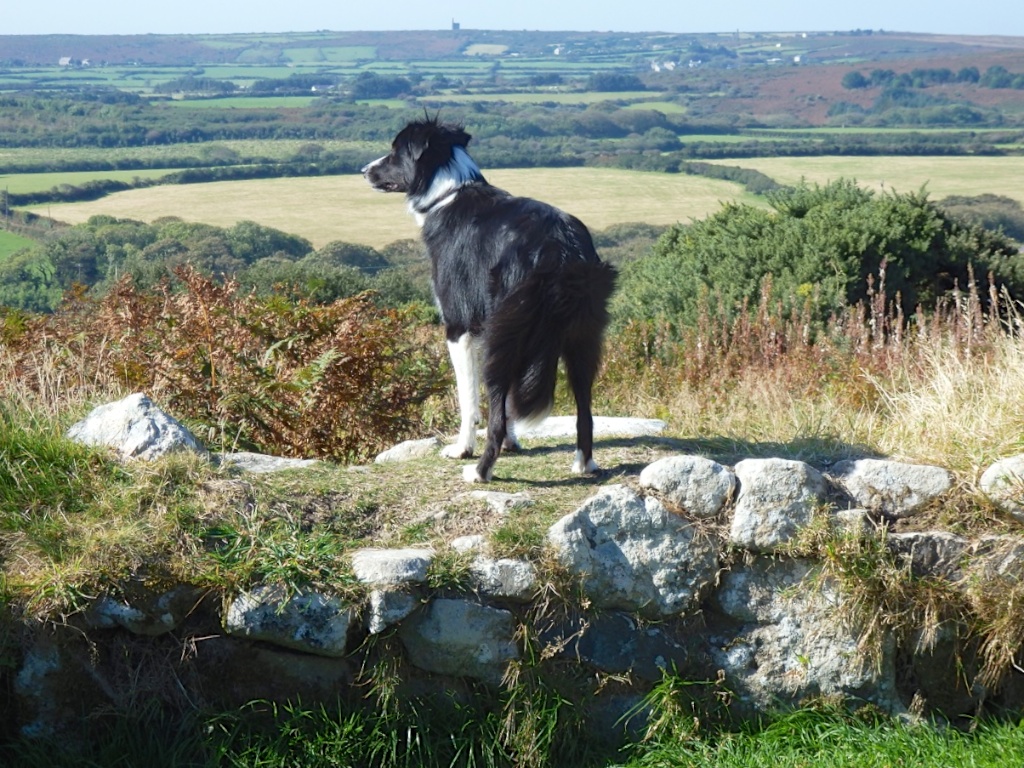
(464,353)
(511,442)
(581,363)
(497,431)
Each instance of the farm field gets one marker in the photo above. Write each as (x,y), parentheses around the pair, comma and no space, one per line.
(541,97)
(10,242)
(940,176)
(21,183)
(237,102)
(324,209)
(170,155)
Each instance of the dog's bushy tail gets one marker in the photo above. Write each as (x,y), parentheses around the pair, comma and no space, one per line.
(546,314)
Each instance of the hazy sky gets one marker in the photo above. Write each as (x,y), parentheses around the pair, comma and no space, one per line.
(978,17)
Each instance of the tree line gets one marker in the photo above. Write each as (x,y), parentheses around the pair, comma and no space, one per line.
(996,76)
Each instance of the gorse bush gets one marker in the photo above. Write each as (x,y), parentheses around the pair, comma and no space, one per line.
(819,244)
(293,378)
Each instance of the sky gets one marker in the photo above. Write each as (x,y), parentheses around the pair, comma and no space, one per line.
(120,17)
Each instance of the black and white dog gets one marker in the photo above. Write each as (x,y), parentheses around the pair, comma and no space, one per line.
(518,282)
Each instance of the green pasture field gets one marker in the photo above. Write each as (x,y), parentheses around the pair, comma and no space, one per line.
(719,138)
(538,97)
(467,65)
(389,103)
(10,242)
(240,72)
(940,176)
(345,54)
(560,66)
(854,130)
(665,107)
(324,209)
(485,49)
(167,155)
(244,102)
(21,183)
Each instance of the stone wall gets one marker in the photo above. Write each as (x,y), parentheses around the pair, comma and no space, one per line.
(692,570)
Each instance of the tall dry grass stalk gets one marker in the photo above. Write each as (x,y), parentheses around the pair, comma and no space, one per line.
(944,387)
(55,383)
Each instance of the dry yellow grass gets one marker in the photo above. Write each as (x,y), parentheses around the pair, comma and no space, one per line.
(324,209)
(941,176)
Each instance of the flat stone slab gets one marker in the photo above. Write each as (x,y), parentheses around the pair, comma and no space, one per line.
(409,450)
(565,426)
(260,463)
(391,567)
(501,502)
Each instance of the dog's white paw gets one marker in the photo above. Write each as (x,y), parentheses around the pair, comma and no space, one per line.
(581,467)
(457,451)
(469,474)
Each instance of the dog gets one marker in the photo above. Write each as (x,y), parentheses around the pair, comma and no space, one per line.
(519,286)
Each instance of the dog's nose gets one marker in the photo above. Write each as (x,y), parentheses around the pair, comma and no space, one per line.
(370,166)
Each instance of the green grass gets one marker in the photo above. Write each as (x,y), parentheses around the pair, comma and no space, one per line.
(10,242)
(829,739)
(245,102)
(442,732)
(389,103)
(718,138)
(558,97)
(941,176)
(857,130)
(167,155)
(248,72)
(321,55)
(21,183)
(665,107)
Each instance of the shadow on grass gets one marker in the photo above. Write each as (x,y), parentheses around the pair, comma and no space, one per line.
(623,457)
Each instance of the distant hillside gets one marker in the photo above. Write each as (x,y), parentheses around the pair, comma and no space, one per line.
(310,47)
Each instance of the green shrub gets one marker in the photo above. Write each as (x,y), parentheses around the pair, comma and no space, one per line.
(820,245)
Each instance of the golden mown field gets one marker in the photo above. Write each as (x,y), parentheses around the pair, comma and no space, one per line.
(328,208)
(323,209)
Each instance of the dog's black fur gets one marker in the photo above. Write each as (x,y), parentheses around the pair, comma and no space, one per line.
(519,275)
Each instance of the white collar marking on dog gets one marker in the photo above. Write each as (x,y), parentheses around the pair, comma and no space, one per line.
(459,171)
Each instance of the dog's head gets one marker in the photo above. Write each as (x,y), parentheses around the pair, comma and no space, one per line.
(425,155)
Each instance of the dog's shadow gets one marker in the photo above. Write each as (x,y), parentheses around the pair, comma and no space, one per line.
(625,457)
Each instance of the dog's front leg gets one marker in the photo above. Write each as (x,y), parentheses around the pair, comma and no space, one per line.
(466,364)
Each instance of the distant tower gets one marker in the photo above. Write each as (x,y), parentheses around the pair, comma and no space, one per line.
(455,26)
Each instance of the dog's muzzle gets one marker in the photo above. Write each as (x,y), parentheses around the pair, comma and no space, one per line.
(369,172)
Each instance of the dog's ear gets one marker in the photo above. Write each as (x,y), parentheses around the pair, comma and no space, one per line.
(448,136)
(457,136)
